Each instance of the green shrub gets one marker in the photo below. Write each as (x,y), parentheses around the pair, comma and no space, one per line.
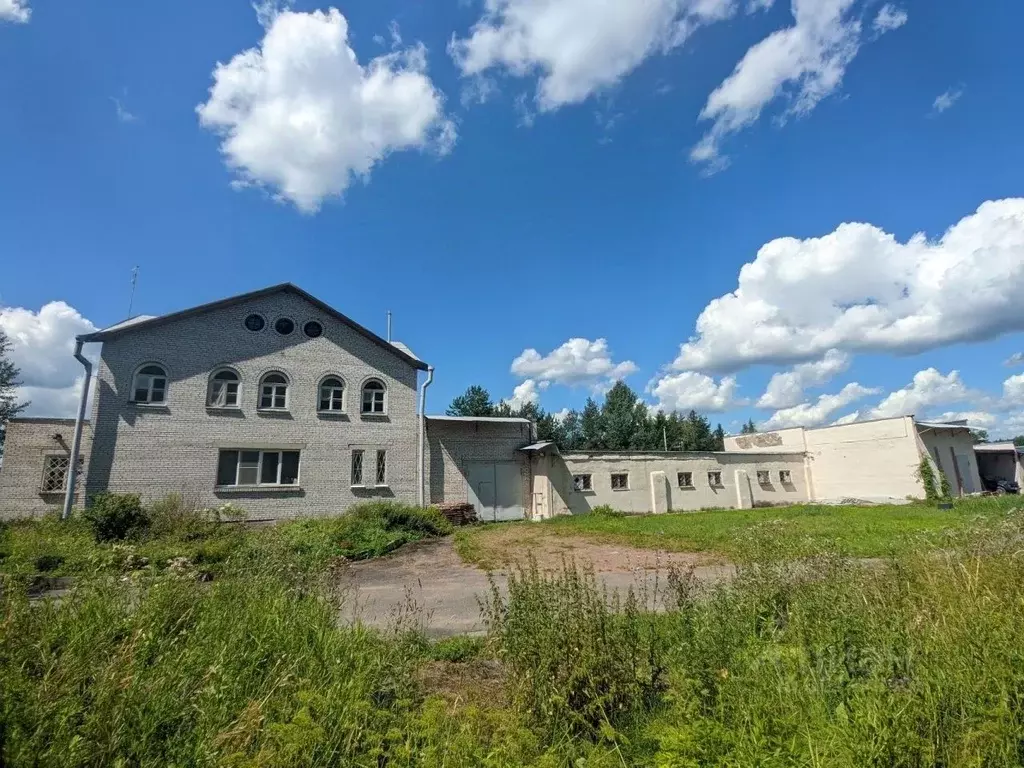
(607,510)
(374,529)
(116,516)
(456,649)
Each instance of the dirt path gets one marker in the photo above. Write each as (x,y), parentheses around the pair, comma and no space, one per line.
(428,585)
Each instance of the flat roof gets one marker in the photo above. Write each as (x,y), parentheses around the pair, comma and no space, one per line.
(1006,446)
(683,454)
(485,419)
(941,425)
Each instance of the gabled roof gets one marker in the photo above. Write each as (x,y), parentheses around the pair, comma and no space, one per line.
(140,323)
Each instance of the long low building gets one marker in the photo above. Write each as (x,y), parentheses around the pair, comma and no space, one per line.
(279,404)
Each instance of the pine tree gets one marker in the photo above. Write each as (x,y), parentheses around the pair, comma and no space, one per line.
(475,401)
(623,421)
(9,373)
(592,427)
(750,428)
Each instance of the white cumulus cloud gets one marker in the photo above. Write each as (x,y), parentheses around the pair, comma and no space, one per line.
(578,47)
(803,63)
(860,289)
(786,389)
(1013,391)
(16,11)
(576,362)
(301,116)
(928,389)
(524,393)
(691,390)
(816,413)
(42,347)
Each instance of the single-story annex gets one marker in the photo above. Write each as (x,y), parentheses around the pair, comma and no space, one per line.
(283,406)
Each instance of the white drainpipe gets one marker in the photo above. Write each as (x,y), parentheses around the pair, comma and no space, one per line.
(69,495)
(420,475)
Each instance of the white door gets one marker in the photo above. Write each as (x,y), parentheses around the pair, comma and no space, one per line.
(495,490)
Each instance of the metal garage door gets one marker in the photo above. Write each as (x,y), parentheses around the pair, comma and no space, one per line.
(496,490)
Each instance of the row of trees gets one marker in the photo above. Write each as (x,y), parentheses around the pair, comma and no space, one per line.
(622,422)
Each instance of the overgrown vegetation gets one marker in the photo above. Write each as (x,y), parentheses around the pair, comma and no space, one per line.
(914,660)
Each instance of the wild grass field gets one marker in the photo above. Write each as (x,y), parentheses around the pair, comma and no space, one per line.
(729,534)
(811,660)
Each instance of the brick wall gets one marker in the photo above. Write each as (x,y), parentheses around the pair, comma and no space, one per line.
(28,443)
(173,448)
(451,445)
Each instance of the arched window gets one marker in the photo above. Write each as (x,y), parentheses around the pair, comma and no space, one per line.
(332,394)
(149,385)
(223,391)
(274,392)
(374,397)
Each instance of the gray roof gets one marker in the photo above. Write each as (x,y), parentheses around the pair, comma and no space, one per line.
(1002,447)
(952,425)
(134,324)
(541,447)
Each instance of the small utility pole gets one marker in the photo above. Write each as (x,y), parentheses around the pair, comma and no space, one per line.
(131,300)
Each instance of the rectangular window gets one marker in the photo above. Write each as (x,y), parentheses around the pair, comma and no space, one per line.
(382,467)
(357,467)
(582,483)
(785,477)
(257,468)
(620,481)
(685,479)
(55,473)
(764,477)
(715,479)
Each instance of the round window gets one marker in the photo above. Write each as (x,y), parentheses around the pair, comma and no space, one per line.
(284,325)
(313,329)
(255,322)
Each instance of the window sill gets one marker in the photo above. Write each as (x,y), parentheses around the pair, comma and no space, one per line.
(224,408)
(687,488)
(619,490)
(374,415)
(333,414)
(256,488)
(378,487)
(154,406)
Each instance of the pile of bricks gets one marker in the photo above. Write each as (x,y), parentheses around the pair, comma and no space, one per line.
(458,514)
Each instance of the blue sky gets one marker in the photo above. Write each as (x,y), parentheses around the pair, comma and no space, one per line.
(510,175)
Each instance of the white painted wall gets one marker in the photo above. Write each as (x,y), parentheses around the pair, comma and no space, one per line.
(946,444)
(870,460)
(781,440)
(553,481)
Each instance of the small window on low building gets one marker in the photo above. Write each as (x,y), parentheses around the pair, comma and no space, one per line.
(357,467)
(55,473)
(764,477)
(785,477)
(715,479)
(685,479)
(620,481)
(582,483)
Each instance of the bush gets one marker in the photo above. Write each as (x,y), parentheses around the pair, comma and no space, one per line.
(116,516)
(374,529)
(48,563)
(607,510)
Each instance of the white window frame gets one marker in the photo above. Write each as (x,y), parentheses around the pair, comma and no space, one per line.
(679,479)
(287,392)
(383,395)
(589,483)
(612,477)
(320,394)
(259,467)
(715,483)
(210,403)
(150,379)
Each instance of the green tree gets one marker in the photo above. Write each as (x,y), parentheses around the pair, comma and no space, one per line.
(569,432)
(979,436)
(625,420)
(592,427)
(1018,440)
(475,401)
(696,434)
(750,428)
(9,381)
(719,439)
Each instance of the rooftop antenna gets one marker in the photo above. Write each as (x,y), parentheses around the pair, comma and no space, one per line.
(135,279)
(389,326)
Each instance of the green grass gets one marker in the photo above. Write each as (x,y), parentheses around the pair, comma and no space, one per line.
(874,531)
(800,662)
